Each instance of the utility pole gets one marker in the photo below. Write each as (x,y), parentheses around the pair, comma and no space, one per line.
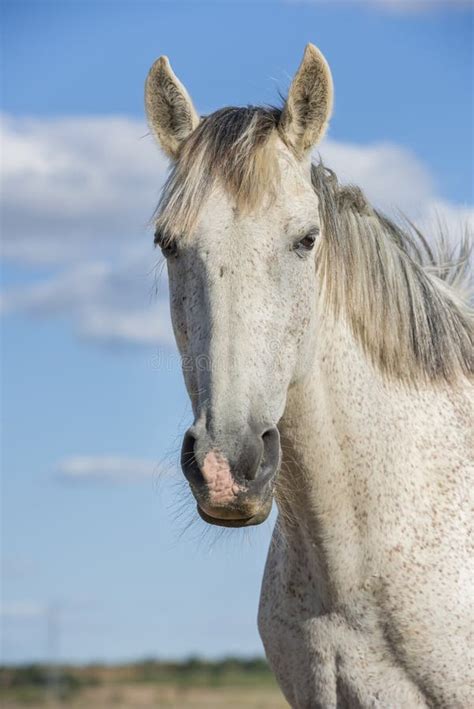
(53,620)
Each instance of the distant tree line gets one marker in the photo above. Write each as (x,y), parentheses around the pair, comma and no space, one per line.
(193,671)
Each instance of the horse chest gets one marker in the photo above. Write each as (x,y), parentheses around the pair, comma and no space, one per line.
(340,643)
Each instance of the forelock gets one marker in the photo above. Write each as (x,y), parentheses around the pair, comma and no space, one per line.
(231,147)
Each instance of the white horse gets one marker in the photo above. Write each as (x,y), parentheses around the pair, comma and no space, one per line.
(332,370)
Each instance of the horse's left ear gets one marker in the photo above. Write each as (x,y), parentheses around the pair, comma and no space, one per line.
(308,107)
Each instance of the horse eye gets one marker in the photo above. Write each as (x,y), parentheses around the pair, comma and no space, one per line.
(168,246)
(307,242)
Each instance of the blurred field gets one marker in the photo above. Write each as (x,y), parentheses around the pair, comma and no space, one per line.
(194,684)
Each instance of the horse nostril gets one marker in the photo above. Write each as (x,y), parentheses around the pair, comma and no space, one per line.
(259,456)
(271,451)
(188,459)
(187,450)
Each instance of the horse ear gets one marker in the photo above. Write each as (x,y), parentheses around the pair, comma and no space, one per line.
(169,109)
(308,107)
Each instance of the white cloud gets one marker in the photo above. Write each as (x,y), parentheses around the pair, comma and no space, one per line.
(132,327)
(118,302)
(396,6)
(22,610)
(76,187)
(105,469)
(411,6)
(395,181)
(390,175)
(77,195)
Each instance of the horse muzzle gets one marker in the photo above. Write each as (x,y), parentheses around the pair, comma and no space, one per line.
(232,478)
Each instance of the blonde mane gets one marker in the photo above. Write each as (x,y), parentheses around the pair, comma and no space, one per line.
(404,301)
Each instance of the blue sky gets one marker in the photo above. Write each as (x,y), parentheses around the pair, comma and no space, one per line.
(95,515)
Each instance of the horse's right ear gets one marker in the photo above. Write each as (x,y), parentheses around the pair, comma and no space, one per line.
(169,109)
(308,107)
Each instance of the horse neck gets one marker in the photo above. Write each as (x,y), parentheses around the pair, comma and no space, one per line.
(354,455)
(332,415)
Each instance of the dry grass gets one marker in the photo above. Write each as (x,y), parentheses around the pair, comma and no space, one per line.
(229,683)
(164,696)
